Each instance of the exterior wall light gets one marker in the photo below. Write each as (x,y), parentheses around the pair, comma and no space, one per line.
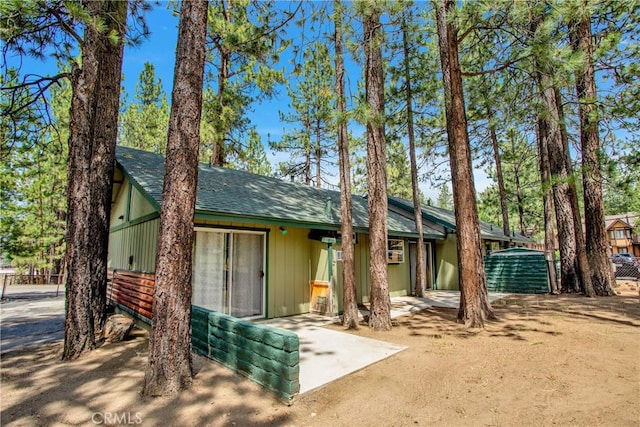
(283,231)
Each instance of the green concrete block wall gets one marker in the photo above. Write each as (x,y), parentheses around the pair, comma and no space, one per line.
(517,271)
(266,355)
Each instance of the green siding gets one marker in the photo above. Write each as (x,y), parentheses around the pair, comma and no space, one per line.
(337,280)
(319,261)
(399,277)
(139,205)
(119,208)
(397,274)
(138,241)
(447,264)
(517,271)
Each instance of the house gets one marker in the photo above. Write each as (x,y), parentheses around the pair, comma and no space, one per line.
(269,248)
(624,236)
(492,236)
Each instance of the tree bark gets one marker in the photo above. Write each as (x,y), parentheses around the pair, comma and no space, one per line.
(518,189)
(218,149)
(417,208)
(475,307)
(560,188)
(597,245)
(170,365)
(583,268)
(92,139)
(307,155)
(79,334)
(318,155)
(380,310)
(547,199)
(349,296)
(502,193)
(103,155)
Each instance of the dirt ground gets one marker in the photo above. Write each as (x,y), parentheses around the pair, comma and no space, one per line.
(548,360)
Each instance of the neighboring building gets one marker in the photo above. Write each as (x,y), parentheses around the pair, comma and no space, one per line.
(269,248)
(623,233)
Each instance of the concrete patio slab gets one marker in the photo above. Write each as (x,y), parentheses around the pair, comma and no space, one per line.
(442,299)
(326,354)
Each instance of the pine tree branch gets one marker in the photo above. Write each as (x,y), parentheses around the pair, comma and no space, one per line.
(66,27)
(41,89)
(493,70)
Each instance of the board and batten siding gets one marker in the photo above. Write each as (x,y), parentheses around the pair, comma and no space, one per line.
(137,243)
(447,264)
(129,205)
(132,246)
(398,275)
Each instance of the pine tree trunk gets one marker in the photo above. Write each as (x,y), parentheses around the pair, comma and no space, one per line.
(79,334)
(103,156)
(218,155)
(502,193)
(520,200)
(560,189)
(573,266)
(380,311)
(170,365)
(475,307)
(417,209)
(349,297)
(548,208)
(318,155)
(307,157)
(583,268)
(597,245)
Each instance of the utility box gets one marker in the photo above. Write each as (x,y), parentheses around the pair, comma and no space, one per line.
(518,271)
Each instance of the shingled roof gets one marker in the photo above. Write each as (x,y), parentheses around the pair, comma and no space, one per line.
(447,219)
(237,195)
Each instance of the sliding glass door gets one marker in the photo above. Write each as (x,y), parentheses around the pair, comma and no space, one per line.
(228,274)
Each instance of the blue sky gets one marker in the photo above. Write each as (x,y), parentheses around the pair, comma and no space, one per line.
(159,49)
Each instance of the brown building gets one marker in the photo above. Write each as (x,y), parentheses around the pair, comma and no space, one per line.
(624,236)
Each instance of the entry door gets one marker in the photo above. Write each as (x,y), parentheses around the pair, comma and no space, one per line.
(228,273)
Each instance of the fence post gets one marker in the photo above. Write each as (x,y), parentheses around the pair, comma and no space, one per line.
(4,286)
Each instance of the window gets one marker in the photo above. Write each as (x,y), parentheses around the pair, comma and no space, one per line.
(395,251)
(619,234)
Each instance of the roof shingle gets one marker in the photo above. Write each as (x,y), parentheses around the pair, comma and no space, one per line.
(233,193)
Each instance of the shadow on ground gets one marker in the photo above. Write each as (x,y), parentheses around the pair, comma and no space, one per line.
(39,389)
